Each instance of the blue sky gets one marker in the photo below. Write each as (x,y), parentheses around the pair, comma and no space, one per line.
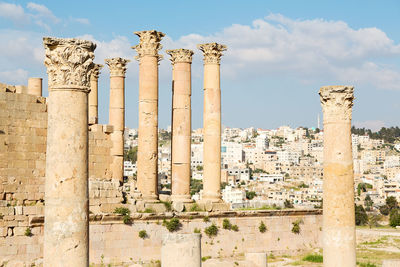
(279,53)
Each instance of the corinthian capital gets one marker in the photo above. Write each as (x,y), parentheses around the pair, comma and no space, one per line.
(180,55)
(96,71)
(149,44)
(337,102)
(69,62)
(117,66)
(212,52)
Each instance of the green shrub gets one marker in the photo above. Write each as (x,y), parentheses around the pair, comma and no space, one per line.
(167,204)
(235,228)
(212,230)
(313,258)
(226,224)
(28,231)
(361,264)
(172,225)
(288,204)
(142,234)
(126,214)
(196,231)
(195,207)
(205,258)
(206,219)
(149,210)
(296,226)
(262,228)
(122,211)
(394,219)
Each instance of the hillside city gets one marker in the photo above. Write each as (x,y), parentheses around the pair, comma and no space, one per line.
(282,167)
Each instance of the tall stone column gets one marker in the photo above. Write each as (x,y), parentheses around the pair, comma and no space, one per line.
(117,114)
(181,123)
(34,86)
(212,121)
(339,236)
(147,158)
(66,228)
(93,94)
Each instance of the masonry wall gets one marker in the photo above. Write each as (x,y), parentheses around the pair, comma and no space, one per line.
(112,241)
(23,131)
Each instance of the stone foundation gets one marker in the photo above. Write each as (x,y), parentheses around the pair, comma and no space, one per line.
(112,241)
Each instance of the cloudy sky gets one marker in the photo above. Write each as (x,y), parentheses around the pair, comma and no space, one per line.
(279,53)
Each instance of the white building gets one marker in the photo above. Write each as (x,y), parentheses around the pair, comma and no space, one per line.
(197,155)
(270,178)
(233,195)
(262,142)
(288,156)
(129,168)
(231,153)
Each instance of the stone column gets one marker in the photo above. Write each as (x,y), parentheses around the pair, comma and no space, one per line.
(181,250)
(117,114)
(66,228)
(35,86)
(181,123)
(339,236)
(148,57)
(212,121)
(93,95)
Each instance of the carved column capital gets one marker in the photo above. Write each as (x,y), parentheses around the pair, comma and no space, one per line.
(180,55)
(149,44)
(212,52)
(69,62)
(96,71)
(117,66)
(337,102)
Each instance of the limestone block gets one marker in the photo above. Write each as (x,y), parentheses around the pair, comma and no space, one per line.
(257,259)
(181,250)
(391,263)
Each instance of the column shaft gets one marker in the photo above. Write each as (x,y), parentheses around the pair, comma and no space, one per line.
(93,95)
(212,122)
(339,240)
(34,86)
(212,133)
(147,158)
(181,124)
(117,114)
(66,229)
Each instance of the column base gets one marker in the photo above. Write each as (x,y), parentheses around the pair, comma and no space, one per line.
(150,198)
(181,198)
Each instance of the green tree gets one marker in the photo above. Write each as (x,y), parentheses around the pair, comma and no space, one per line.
(250,194)
(195,186)
(361,215)
(288,204)
(394,219)
(391,202)
(368,202)
(131,154)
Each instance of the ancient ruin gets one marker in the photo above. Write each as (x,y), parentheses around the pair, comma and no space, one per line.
(60,170)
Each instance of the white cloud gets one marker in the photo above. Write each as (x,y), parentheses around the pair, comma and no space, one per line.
(374,125)
(311,50)
(14,77)
(13,12)
(42,11)
(81,20)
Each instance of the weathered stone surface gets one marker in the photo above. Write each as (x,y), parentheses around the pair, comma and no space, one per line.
(69,63)
(212,121)
(147,174)
(339,237)
(181,125)
(181,250)
(93,95)
(34,86)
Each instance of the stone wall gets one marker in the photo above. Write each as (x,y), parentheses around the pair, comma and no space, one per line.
(112,241)
(23,131)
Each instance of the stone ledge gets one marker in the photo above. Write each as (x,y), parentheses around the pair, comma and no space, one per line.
(116,218)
